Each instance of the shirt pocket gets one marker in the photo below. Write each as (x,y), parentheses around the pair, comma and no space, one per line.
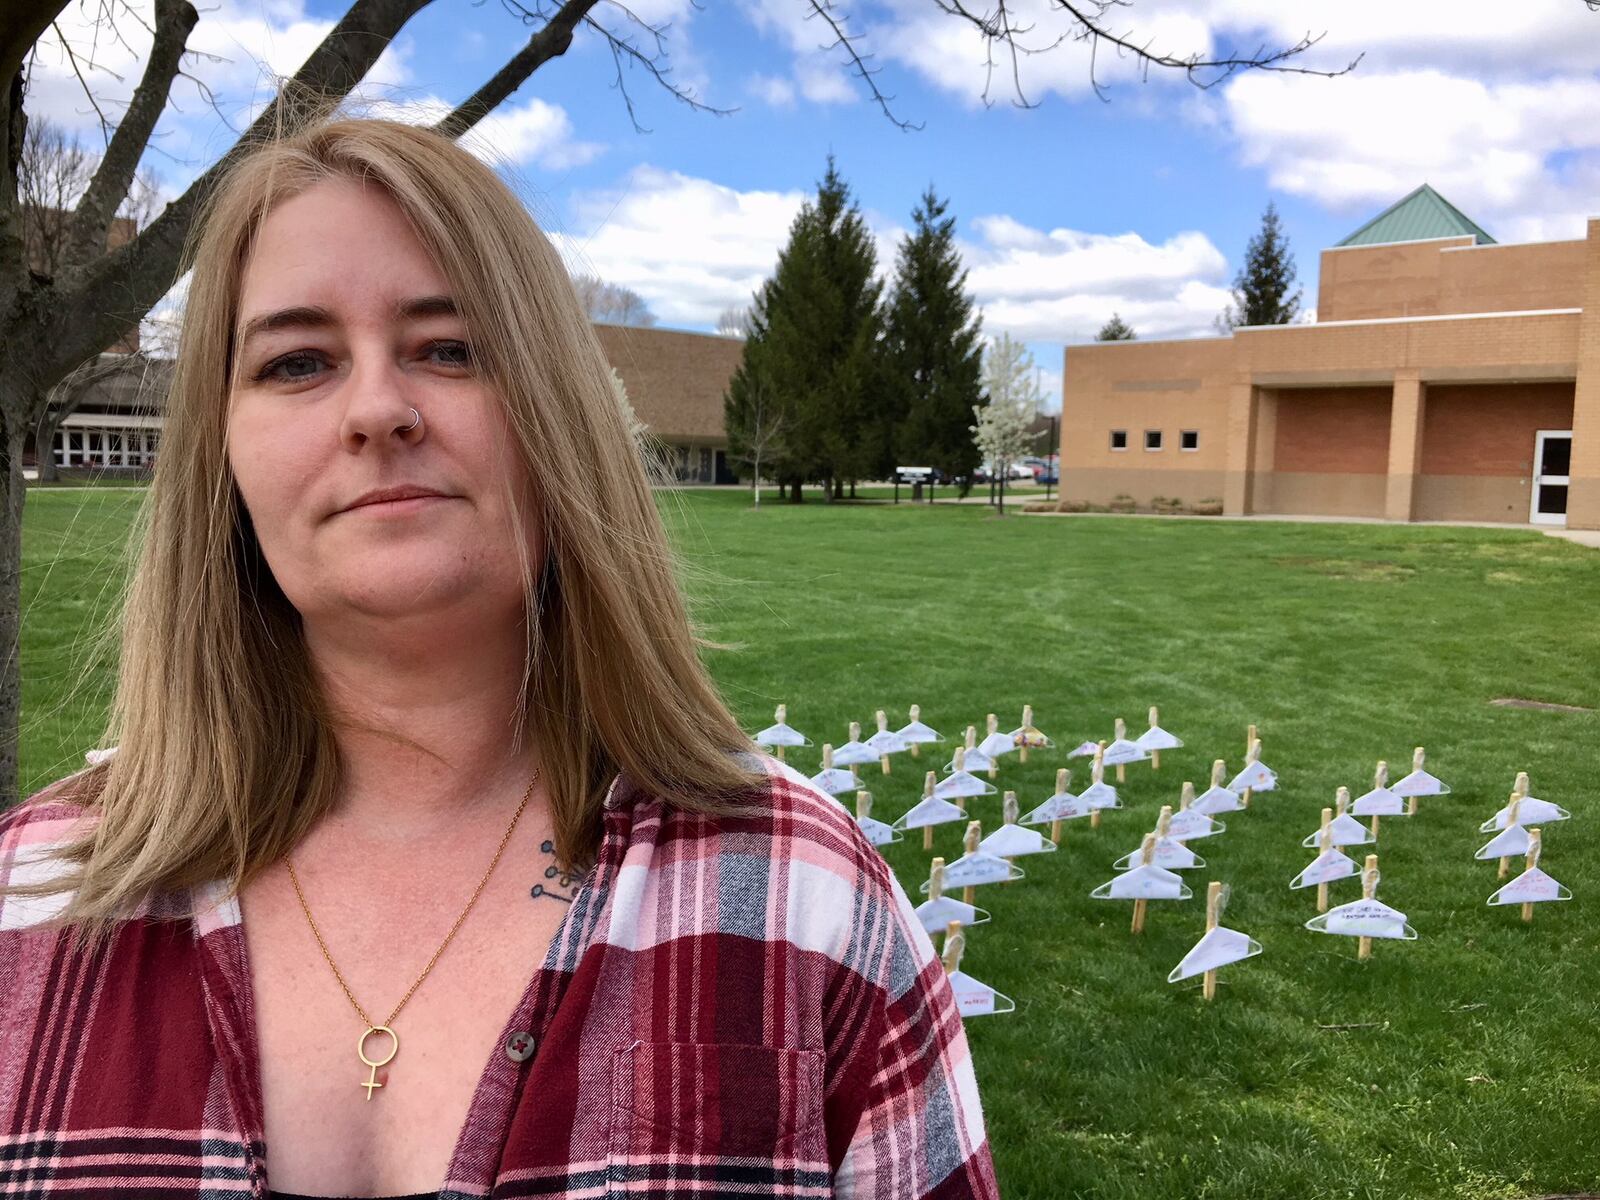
(717,1117)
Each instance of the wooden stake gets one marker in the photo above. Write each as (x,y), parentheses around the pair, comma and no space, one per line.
(955,942)
(916,715)
(1253,755)
(1122,733)
(1324,844)
(974,836)
(1027,724)
(1147,851)
(883,727)
(1250,740)
(863,805)
(783,717)
(1186,796)
(1155,755)
(936,880)
(994,727)
(1380,778)
(1417,759)
(1534,841)
(1213,907)
(1511,819)
(928,785)
(960,764)
(1008,813)
(1097,774)
(1063,782)
(1219,772)
(1369,891)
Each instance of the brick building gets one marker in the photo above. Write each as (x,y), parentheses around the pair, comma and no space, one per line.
(1446,377)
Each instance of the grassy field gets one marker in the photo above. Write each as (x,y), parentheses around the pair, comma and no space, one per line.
(1464,1064)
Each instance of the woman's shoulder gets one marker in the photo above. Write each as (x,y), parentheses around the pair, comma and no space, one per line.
(791,866)
(32,832)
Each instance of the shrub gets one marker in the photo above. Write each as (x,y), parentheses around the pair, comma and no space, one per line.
(1206,508)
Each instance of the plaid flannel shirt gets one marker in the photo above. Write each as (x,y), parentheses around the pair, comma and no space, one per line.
(744,1006)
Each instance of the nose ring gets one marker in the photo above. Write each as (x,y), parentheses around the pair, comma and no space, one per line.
(416,419)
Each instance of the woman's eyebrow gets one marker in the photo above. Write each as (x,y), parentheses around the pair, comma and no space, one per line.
(310,316)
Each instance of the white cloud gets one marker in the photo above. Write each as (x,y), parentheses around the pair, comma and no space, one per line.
(690,247)
(1061,285)
(822,72)
(774,89)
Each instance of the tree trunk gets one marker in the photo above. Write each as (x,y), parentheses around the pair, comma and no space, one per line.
(11,438)
(795,496)
(44,442)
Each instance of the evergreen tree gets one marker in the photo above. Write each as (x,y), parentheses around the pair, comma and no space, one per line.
(1261,289)
(812,360)
(1116,330)
(933,355)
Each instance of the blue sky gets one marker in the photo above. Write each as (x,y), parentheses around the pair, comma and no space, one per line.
(1141,203)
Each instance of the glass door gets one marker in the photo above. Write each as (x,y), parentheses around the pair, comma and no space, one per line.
(1552,465)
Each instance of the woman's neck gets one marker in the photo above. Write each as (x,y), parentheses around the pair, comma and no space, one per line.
(454,696)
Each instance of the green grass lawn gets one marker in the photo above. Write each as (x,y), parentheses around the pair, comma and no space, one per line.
(1464,1064)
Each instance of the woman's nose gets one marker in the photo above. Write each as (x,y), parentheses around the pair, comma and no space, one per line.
(379,405)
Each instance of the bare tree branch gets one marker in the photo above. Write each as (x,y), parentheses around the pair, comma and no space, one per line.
(117,288)
(175,20)
(858,59)
(551,41)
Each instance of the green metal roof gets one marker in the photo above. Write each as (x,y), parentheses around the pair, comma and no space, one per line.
(1422,215)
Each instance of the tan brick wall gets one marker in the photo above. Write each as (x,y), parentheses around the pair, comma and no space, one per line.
(1332,431)
(1472,498)
(1450,275)
(1488,429)
(1346,494)
(1583,506)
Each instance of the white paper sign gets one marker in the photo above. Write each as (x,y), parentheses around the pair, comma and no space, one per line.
(1420,783)
(1033,739)
(1255,776)
(1380,802)
(1010,841)
(1508,843)
(932,811)
(1529,812)
(974,760)
(1063,806)
(1218,948)
(1157,738)
(1100,795)
(833,781)
(975,999)
(962,783)
(1083,750)
(996,744)
(1364,918)
(1533,886)
(921,734)
(854,754)
(1123,751)
(885,742)
(1325,868)
(1187,824)
(936,915)
(1168,853)
(970,870)
(1144,883)
(1346,831)
(877,832)
(781,735)
(1216,800)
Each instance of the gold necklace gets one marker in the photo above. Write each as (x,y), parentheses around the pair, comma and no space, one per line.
(372,1027)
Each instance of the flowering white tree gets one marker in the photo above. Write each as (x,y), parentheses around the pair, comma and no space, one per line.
(1003,424)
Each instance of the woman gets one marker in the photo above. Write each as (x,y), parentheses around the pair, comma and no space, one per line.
(429,861)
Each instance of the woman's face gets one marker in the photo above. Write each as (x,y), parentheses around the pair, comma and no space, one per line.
(344,329)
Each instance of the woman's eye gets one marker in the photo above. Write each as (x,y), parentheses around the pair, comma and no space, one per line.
(460,352)
(270,371)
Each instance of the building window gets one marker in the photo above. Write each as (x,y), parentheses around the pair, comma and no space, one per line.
(1152,439)
(1119,439)
(1189,439)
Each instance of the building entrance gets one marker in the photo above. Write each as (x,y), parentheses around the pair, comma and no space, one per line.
(1552,466)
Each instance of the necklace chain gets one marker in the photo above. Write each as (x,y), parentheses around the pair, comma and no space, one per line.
(505,840)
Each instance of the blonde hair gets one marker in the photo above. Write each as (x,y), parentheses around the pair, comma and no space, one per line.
(226,752)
